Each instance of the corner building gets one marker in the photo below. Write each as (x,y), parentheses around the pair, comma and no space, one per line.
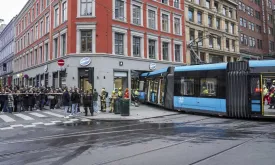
(213,27)
(118,38)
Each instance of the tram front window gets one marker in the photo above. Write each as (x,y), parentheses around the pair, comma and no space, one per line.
(267,92)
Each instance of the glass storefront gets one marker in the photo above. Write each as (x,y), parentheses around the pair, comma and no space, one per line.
(84,83)
(120,80)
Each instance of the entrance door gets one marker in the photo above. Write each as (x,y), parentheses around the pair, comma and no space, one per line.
(255,91)
(268,94)
(84,84)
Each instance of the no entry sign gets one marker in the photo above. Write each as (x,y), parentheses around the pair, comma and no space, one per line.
(60,62)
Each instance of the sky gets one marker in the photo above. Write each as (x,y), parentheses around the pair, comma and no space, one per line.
(10,8)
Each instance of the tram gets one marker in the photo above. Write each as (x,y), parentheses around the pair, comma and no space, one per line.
(234,89)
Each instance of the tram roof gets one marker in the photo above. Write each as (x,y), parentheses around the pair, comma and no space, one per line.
(217,66)
(163,70)
(261,63)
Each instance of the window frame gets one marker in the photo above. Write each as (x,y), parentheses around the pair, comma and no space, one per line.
(156,18)
(140,5)
(168,21)
(156,39)
(176,16)
(141,36)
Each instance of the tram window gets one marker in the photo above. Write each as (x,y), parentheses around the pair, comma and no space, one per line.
(187,86)
(208,87)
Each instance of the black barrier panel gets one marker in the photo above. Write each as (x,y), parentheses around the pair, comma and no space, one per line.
(237,105)
(169,93)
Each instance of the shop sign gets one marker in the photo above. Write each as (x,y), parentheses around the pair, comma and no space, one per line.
(46,68)
(152,66)
(85,61)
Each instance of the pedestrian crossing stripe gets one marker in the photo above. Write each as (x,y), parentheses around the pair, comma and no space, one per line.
(53,114)
(37,114)
(25,117)
(7,118)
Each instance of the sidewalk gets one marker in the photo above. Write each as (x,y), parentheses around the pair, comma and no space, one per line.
(136,113)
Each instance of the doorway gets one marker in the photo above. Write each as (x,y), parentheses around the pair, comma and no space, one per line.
(120,80)
(84,83)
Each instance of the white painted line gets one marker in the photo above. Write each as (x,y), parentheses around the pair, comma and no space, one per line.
(29,126)
(6,128)
(49,124)
(68,122)
(56,121)
(37,114)
(74,119)
(18,125)
(39,123)
(7,118)
(25,117)
(85,120)
(54,114)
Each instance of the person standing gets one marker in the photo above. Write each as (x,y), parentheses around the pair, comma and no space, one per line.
(95,100)
(87,103)
(103,100)
(66,102)
(10,101)
(75,99)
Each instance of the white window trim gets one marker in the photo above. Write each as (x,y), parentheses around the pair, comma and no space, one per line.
(174,4)
(169,49)
(156,38)
(57,37)
(78,37)
(64,1)
(79,9)
(169,20)
(140,4)
(141,35)
(125,42)
(46,42)
(42,33)
(181,50)
(125,11)
(58,23)
(47,15)
(36,32)
(147,15)
(180,17)
(61,46)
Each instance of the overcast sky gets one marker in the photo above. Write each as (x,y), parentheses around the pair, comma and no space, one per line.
(10,8)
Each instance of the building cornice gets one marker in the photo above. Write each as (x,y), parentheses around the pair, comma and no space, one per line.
(24,10)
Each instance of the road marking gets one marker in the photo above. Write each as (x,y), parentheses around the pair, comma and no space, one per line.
(56,121)
(39,123)
(7,118)
(74,119)
(85,120)
(49,123)
(37,114)
(53,114)
(29,126)
(68,122)
(18,125)
(25,117)
(6,128)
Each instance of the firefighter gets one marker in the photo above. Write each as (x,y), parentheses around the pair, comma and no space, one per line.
(103,100)
(113,99)
(120,93)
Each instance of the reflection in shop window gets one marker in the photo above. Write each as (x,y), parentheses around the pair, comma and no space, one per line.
(208,87)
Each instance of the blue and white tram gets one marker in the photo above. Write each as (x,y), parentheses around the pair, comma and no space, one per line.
(234,89)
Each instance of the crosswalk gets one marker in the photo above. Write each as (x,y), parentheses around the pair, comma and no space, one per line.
(35,118)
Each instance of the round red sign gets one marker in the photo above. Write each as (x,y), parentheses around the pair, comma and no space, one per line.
(60,62)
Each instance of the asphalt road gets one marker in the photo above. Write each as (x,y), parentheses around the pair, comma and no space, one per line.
(172,140)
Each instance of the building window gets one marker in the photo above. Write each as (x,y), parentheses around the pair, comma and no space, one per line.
(210,21)
(31,59)
(152,19)
(199,17)
(27,60)
(224,11)
(245,39)
(192,34)
(241,21)
(47,24)
(271,46)
(56,17)
(152,49)
(47,2)
(64,11)
(119,10)
(33,14)
(46,52)
(41,28)
(232,28)
(227,44)
(230,13)
(42,5)
(165,23)
(37,9)
(218,23)
(119,43)
(197,2)
(226,26)
(55,47)
(136,15)
(191,15)
(86,41)
(177,3)
(29,18)
(177,26)
(177,52)
(165,50)
(244,23)
(41,54)
(136,46)
(36,57)
(219,42)
(63,44)
(36,32)
(207,4)
(86,7)
(210,41)
(200,36)
(233,45)
(164,2)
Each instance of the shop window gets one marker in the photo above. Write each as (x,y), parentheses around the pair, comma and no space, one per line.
(208,87)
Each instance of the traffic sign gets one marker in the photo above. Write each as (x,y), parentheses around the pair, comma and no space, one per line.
(61,62)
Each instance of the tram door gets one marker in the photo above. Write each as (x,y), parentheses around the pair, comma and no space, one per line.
(255,94)
(268,94)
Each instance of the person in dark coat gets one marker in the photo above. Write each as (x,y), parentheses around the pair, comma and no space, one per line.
(75,98)
(66,102)
(87,103)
